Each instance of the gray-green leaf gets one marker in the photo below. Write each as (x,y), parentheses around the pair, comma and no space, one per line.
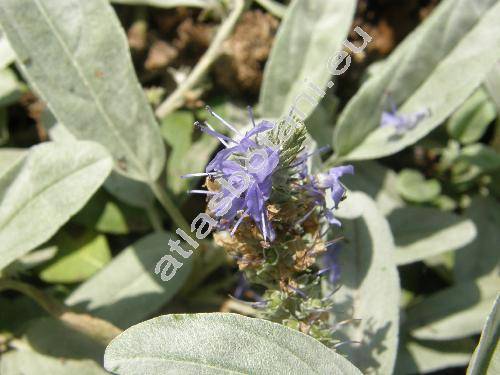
(108,216)
(219,344)
(50,336)
(7,55)
(421,357)
(422,232)
(188,156)
(10,88)
(54,182)
(309,35)
(28,362)
(320,122)
(492,84)
(9,158)
(482,158)
(78,257)
(133,291)
(413,186)
(132,192)
(486,357)
(436,68)
(480,257)
(177,129)
(455,312)
(370,285)
(471,120)
(31,260)
(75,55)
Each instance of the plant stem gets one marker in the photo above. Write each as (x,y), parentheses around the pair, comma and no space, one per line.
(97,329)
(154,218)
(169,206)
(176,99)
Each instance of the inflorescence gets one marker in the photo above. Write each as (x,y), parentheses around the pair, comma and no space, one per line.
(273,216)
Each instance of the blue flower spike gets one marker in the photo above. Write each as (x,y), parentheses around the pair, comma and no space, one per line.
(271,213)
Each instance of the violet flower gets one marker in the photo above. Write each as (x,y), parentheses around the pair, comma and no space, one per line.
(244,169)
(402,123)
(331,181)
(319,185)
(331,263)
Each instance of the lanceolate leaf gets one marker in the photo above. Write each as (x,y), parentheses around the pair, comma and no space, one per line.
(481,257)
(50,336)
(456,312)
(9,157)
(31,260)
(421,357)
(78,257)
(219,344)
(177,129)
(28,362)
(370,285)
(437,67)
(413,186)
(492,84)
(187,156)
(132,290)
(486,357)
(482,158)
(422,232)
(133,192)
(310,33)
(108,216)
(471,120)
(39,196)
(74,54)
(10,89)
(320,123)
(7,55)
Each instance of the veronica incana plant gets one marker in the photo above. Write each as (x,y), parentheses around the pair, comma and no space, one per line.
(319,256)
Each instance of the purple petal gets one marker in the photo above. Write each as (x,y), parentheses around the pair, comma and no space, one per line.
(215,134)
(331,263)
(332,219)
(338,172)
(264,167)
(337,193)
(390,119)
(219,158)
(247,142)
